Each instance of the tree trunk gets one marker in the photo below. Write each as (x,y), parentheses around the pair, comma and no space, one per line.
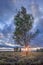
(26,46)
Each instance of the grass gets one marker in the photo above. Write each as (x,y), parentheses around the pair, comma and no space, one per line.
(20,58)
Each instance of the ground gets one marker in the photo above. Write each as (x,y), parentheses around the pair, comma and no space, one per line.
(20,58)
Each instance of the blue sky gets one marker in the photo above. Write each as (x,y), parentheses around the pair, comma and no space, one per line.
(8,9)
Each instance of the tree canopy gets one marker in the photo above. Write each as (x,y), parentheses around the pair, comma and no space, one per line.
(23,23)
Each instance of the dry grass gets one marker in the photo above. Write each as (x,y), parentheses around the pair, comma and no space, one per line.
(30,54)
(19,57)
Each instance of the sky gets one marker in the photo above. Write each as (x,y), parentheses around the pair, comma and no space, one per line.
(8,9)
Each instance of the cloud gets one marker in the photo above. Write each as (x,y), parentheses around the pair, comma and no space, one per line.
(6,49)
(10,20)
(41,9)
(1,35)
(11,44)
(2,26)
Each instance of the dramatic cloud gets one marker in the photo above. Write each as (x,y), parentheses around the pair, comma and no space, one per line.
(8,9)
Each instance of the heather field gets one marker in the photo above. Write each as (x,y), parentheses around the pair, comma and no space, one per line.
(20,58)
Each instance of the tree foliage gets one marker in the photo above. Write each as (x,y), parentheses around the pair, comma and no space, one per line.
(23,23)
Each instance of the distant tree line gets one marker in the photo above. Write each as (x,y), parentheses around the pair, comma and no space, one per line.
(39,50)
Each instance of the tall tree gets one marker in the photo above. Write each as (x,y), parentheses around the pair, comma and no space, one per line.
(23,23)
